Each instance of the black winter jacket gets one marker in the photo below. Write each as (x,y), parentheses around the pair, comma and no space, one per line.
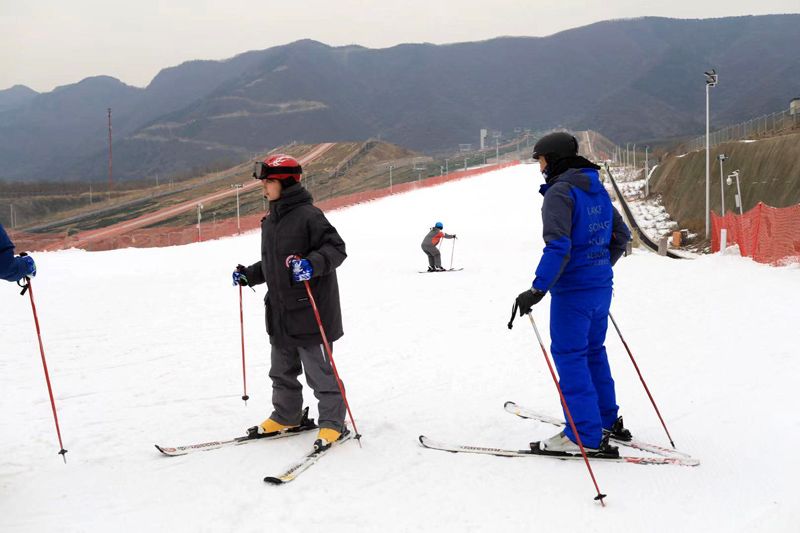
(294,226)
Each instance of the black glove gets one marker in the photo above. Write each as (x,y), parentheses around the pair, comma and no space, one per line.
(526,300)
(239,277)
(454,236)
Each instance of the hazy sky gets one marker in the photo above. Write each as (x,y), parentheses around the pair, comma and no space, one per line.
(45,43)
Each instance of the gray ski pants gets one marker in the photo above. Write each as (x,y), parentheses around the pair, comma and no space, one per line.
(287,392)
(434,256)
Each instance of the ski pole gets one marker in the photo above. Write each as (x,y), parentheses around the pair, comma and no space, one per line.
(329,351)
(245,397)
(599,496)
(452,251)
(646,389)
(27,286)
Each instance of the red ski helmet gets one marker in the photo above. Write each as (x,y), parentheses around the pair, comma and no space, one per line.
(278,167)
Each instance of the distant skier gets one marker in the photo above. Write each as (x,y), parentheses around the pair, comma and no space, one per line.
(295,227)
(13,268)
(429,246)
(584,236)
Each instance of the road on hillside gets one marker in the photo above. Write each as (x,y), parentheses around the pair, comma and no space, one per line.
(151,218)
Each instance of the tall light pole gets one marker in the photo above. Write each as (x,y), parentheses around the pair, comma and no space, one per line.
(711,81)
(722,158)
(391,167)
(646,172)
(496,150)
(237,186)
(446,170)
(627,154)
(110,158)
(634,158)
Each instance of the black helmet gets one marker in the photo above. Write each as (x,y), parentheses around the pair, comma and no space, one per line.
(556,146)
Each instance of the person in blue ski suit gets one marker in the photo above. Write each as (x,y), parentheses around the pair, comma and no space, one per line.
(584,236)
(13,268)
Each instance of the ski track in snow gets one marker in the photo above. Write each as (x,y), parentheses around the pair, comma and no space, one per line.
(143,348)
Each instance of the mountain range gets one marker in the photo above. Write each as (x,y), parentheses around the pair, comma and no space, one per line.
(632,80)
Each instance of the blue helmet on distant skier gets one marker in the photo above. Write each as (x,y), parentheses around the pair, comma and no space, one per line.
(439,225)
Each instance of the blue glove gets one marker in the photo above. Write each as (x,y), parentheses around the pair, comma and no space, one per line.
(29,266)
(301,270)
(238,276)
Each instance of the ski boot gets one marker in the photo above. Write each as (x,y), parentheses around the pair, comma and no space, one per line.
(618,431)
(326,437)
(270,427)
(560,444)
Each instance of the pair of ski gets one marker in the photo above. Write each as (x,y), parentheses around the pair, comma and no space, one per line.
(291,473)
(438,271)
(664,456)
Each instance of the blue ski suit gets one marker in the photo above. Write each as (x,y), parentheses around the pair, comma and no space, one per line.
(11,268)
(584,236)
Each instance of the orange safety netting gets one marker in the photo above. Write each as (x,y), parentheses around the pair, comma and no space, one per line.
(172,236)
(767,234)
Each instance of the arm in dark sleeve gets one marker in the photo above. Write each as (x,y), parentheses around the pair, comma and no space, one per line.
(328,250)
(11,268)
(448,236)
(255,276)
(557,232)
(620,235)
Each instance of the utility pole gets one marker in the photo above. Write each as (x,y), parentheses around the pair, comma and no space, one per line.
(634,159)
(711,81)
(646,173)
(110,158)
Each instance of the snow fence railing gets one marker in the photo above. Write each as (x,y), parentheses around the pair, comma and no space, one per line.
(767,234)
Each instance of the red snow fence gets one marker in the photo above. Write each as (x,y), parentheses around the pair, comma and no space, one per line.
(173,236)
(767,234)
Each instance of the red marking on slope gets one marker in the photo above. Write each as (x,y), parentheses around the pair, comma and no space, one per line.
(145,220)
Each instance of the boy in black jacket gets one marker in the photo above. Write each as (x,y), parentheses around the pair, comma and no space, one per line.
(298,244)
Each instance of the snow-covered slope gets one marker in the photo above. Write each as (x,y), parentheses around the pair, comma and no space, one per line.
(143,348)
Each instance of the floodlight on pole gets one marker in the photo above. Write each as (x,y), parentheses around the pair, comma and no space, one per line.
(735,174)
(711,81)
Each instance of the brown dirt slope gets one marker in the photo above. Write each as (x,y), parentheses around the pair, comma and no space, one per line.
(769,172)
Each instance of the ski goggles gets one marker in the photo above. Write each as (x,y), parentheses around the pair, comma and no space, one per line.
(262,171)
